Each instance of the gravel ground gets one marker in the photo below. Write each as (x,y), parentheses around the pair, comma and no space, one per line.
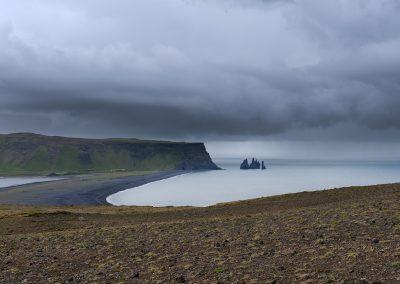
(349,235)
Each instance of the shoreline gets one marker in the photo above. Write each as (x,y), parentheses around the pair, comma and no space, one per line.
(78,190)
(102,195)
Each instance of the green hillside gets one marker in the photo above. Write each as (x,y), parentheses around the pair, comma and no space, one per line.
(26,153)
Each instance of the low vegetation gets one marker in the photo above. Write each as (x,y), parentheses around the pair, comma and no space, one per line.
(345,235)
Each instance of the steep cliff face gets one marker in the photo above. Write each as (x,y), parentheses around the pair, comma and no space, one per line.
(26,153)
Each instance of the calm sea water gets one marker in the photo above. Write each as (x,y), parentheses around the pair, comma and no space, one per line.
(281,176)
(6,181)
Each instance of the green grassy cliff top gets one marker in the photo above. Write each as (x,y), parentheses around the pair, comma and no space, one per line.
(28,153)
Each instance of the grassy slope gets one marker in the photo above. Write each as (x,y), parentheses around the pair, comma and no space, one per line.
(37,154)
(347,235)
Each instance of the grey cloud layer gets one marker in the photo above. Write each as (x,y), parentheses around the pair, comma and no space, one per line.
(182,69)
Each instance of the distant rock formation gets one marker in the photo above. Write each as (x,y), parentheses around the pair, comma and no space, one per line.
(255,165)
(244,165)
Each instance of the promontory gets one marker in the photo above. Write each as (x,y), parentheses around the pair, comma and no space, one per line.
(34,154)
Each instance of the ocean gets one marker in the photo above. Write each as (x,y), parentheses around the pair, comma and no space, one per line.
(281,176)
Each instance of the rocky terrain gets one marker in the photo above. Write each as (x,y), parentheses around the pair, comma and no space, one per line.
(33,154)
(349,235)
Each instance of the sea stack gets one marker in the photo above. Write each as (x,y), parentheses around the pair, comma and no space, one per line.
(245,165)
(254,165)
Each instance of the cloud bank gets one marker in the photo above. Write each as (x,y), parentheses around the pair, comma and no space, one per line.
(208,69)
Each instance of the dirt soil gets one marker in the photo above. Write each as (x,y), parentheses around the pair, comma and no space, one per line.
(349,235)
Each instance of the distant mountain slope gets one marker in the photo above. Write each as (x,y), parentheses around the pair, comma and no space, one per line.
(27,153)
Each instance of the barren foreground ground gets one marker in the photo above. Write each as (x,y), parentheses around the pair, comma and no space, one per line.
(341,235)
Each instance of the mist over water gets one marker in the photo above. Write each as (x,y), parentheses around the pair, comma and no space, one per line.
(13,181)
(282,176)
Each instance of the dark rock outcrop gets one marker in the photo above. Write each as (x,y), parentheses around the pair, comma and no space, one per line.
(254,165)
(245,165)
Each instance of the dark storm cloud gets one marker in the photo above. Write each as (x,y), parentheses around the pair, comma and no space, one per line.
(194,69)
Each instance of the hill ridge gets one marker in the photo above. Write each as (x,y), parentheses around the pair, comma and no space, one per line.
(31,153)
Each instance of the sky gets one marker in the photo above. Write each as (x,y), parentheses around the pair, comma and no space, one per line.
(305,76)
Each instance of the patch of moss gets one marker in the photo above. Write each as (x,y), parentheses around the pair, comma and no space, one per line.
(395,264)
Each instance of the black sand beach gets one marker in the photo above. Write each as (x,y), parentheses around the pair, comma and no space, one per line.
(90,189)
